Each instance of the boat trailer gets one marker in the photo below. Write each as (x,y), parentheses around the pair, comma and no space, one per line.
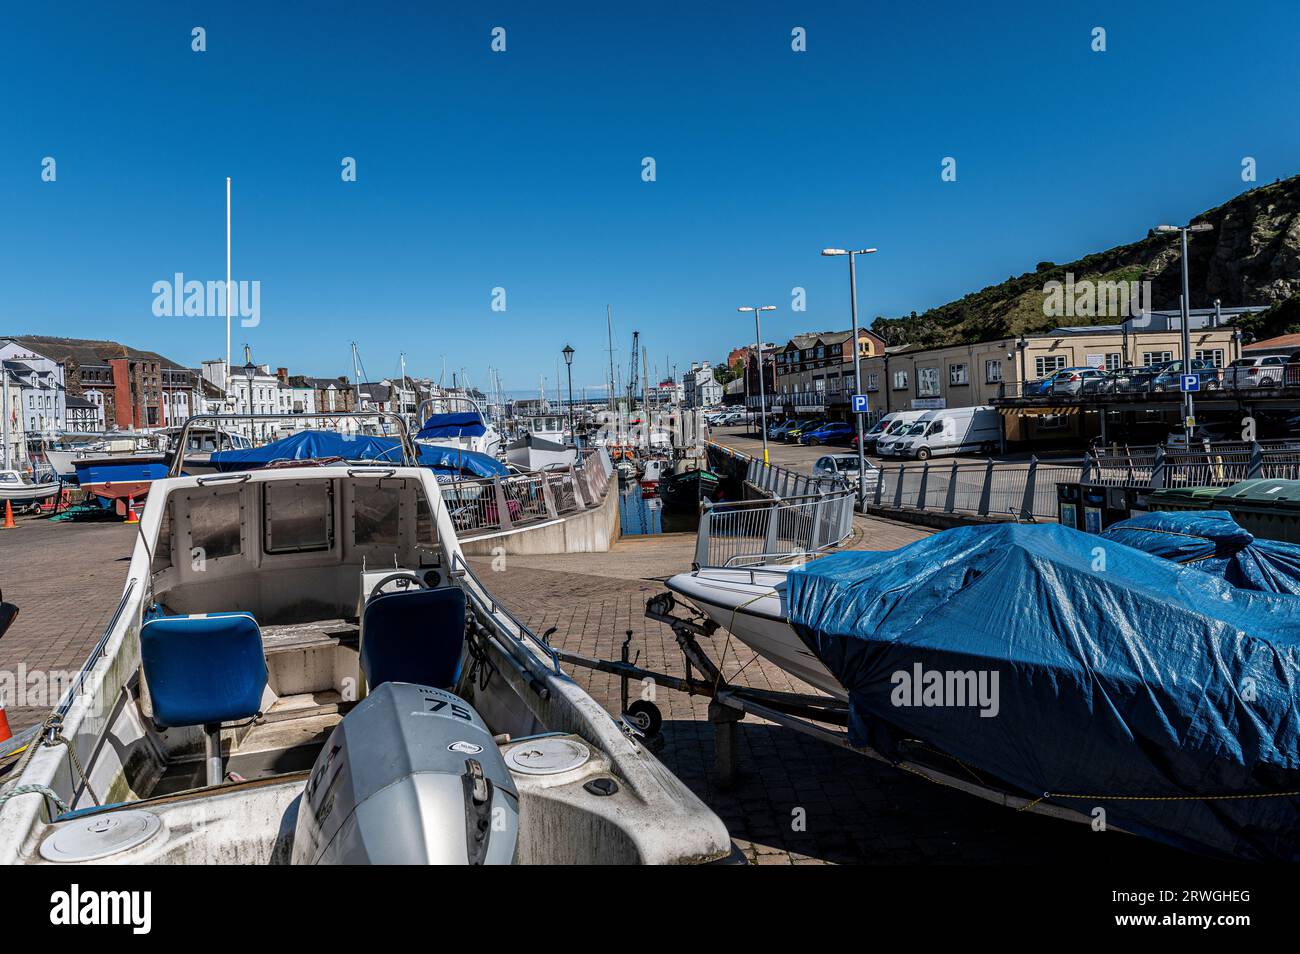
(818,716)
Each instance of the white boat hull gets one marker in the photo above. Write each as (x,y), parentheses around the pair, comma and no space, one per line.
(750,604)
(27,493)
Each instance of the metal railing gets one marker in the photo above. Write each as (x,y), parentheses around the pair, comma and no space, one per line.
(1210,465)
(777,481)
(488,505)
(735,534)
(407,447)
(1024,491)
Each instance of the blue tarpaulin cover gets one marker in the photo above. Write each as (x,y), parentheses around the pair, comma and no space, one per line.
(459,424)
(313,445)
(1211,541)
(1118,673)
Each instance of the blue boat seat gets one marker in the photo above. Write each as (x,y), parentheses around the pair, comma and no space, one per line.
(415,636)
(203,669)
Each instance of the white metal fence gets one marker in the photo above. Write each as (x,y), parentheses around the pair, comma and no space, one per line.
(753,531)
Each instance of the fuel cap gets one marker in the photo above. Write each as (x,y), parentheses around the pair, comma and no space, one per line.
(100,835)
(547,756)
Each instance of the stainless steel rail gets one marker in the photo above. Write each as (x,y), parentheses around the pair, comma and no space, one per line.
(409,453)
(95,656)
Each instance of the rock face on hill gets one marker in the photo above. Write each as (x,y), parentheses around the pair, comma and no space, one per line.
(1251,257)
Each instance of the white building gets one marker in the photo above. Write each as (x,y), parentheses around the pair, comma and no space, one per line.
(43,387)
(701,387)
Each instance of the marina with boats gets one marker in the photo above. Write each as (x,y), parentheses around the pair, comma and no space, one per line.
(582,451)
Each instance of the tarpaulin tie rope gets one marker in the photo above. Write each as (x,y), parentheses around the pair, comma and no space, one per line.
(1158,798)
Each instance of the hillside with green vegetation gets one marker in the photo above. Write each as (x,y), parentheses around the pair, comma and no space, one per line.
(1251,257)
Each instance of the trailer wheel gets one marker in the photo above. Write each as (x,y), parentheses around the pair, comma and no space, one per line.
(645,716)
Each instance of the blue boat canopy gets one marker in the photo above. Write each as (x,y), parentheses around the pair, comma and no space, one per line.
(1052,661)
(316,445)
(458,424)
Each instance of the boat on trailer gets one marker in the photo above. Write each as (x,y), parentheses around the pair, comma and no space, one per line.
(17,490)
(1008,649)
(303,668)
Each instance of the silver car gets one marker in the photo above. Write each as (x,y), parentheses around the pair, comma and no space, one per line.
(844,468)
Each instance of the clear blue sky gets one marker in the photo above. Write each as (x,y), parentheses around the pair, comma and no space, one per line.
(523,169)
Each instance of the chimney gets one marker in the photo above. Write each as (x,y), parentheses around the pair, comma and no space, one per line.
(282,374)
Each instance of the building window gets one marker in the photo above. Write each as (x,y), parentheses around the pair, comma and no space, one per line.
(900,380)
(1213,355)
(1114,361)
(873,381)
(992,371)
(957,375)
(1156,357)
(1046,364)
(927,382)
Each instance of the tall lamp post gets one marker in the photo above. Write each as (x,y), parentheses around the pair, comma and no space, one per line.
(857,383)
(762,392)
(1189,411)
(250,372)
(568,363)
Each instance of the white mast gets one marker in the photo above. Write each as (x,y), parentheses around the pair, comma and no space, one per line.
(226,384)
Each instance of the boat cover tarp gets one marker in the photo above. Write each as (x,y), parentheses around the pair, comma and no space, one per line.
(455,460)
(316,445)
(1211,541)
(457,424)
(1118,673)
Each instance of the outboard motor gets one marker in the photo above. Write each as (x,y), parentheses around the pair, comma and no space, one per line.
(411,776)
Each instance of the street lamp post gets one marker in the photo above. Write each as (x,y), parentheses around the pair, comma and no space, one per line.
(568,362)
(762,391)
(1189,409)
(857,382)
(250,372)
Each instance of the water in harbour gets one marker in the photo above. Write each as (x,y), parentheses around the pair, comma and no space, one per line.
(640,515)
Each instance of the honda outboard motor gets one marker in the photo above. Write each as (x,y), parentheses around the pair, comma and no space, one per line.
(410,776)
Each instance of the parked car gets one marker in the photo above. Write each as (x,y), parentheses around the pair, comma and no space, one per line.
(1265,372)
(951,431)
(832,432)
(1171,373)
(1072,381)
(844,468)
(799,428)
(1043,386)
(776,432)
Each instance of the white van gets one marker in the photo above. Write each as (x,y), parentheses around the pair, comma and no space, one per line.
(957,430)
(888,426)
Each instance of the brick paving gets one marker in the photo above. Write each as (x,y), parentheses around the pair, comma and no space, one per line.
(66,579)
(796,800)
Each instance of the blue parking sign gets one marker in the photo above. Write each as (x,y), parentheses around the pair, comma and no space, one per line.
(859,404)
(1191,382)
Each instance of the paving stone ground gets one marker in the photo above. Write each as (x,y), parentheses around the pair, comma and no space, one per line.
(796,801)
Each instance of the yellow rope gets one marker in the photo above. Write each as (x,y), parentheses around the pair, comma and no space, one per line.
(722,661)
(1159,798)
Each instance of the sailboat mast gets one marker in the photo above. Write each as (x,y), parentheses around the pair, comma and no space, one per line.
(609,334)
(225,385)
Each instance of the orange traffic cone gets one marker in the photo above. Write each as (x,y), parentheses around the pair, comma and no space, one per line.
(130,511)
(9,516)
(5,734)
